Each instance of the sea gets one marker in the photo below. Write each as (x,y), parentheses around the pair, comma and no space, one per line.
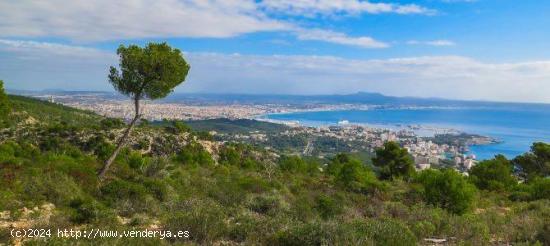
(515,126)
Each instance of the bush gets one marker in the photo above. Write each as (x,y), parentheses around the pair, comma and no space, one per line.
(394,161)
(536,189)
(54,187)
(385,232)
(109,123)
(447,189)
(136,161)
(264,204)
(204,220)
(238,155)
(158,188)
(335,165)
(327,207)
(86,210)
(423,229)
(128,197)
(295,164)
(536,163)
(371,232)
(194,154)
(314,234)
(4,104)
(357,177)
(180,127)
(540,188)
(247,227)
(494,174)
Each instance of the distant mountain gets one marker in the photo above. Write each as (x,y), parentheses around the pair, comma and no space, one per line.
(356,98)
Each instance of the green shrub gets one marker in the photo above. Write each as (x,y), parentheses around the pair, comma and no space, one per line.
(179,127)
(264,204)
(313,234)
(238,155)
(394,161)
(357,177)
(86,210)
(336,163)
(245,226)
(109,123)
(327,207)
(135,160)
(535,163)
(423,229)
(494,174)
(54,187)
(447,189)
(127,197)
(540,188)
(158,188)
(194,154)
(295,164)
(204,220)
(4,103)
(385,232)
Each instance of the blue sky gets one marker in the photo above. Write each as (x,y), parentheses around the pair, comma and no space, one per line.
(462,49)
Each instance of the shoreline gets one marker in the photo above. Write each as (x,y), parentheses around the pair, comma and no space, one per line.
(472,139)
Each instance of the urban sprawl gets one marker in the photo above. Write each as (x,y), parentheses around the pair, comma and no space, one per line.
(425,152)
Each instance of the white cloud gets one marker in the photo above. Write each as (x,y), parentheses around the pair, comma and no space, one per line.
(441,76)
(339,38)
(41,48)
(128,19)
(334,7)
(103,20)
(440,42)
(38,65)
(431,76)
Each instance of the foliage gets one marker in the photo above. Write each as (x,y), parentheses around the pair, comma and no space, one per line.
(393,161)
(494,174)
(356,177)
(336,163)
(194,154)
(240,155)
(327,206)
(109,123)
(535,163)
(447,189)
(4,106)
(230,126)
(178,127)
(240,201)
(296,164)
(148,73)
(203,219)
(87,210)
(34,110)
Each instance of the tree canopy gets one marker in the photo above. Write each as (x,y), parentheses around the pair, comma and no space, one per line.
(148,73)
(535,163)
(393,161)
(494,174)
(4,107)
(145,73)
(447,189)
(355,176)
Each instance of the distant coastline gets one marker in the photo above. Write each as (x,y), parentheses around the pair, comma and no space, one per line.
(505,131)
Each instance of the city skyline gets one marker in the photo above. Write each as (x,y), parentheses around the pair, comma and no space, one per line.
(455,49)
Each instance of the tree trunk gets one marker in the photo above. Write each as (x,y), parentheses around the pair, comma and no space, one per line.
(121,142)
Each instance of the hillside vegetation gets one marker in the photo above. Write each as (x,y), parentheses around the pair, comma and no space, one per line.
(175,177)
